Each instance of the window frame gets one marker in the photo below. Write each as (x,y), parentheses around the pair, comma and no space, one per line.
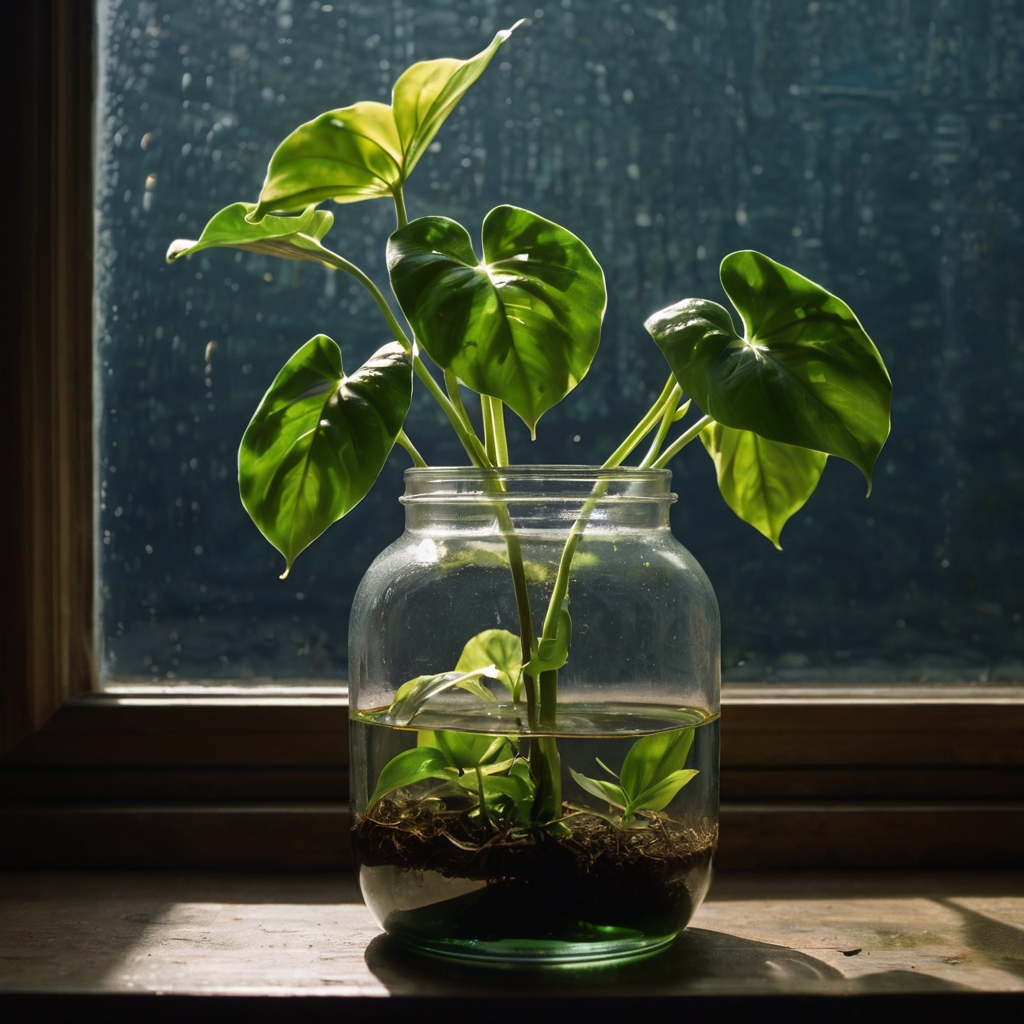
(811,776)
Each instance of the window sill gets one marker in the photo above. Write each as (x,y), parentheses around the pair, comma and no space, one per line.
(112,940)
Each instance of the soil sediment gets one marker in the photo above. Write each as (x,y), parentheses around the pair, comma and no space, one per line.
(644,879)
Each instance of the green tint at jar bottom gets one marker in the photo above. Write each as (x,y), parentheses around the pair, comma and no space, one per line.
(602,893)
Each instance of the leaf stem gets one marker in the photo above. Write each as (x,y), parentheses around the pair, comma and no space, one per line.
(500,440)
(468,438)
(417,459)
(680,443)
(487,413)
(401,215)
(667,419)
(643,428)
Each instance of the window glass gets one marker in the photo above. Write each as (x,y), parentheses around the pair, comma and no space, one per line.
(876,148)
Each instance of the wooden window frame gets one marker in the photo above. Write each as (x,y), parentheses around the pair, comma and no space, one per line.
(844,776)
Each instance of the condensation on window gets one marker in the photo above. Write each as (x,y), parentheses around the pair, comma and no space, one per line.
(875,148)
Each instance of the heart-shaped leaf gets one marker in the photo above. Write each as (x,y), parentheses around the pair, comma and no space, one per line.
(805,372)
(652,759)
(426,93)
(522,326)
(369,149)
(292,238)
(763,482)
(319,439)
(346,155)
(408,768)
(496,650)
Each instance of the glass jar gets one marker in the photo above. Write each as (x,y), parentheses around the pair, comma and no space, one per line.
(562,811)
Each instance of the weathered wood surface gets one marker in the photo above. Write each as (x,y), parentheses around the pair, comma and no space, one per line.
(236,934)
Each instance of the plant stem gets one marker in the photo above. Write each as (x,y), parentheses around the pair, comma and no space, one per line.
(468,438)
(451,384)
(680,443)
(401,215)
(667,419)
(546,766)
(417,459)
(643,428)
(500,440)
(487,414)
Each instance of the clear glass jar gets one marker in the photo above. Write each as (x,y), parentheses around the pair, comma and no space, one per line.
(467,860)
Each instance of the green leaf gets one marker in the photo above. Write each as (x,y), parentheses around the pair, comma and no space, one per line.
(409,767)
(346,155)
(652,759)
(292,238)
(552,653)
(661,794)
(607,791)
(319,439)
(411,696)
(467,750)
(496,650)
(762,481)
(805,372)
(369,149)
(426,93)
(522,326)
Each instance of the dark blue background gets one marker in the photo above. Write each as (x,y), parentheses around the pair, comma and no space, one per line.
(874,146)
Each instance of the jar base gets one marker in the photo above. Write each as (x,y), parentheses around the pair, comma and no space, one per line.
(540,952)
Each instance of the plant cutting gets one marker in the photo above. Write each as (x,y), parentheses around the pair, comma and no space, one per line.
(534,664)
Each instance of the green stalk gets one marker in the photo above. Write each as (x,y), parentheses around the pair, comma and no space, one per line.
(487,414)
(500,440)
(643,428)
(667,419)
(400,214)
(417,459)
(680,443)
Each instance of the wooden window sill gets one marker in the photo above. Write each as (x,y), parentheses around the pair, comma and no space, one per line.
(113,939)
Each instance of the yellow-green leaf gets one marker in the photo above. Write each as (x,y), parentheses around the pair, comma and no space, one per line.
(763,482)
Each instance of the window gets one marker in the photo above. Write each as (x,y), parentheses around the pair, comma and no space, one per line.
(878,153)
(941,767)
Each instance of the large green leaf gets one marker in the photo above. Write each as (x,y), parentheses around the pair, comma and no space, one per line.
(652,759)
(293,238)
(523,325)
(805,372)
(763,482)
(607,791)
(659,795)
(409,767)
(346,155)
(426,93)
(367,150)
(498,653)
(319,439)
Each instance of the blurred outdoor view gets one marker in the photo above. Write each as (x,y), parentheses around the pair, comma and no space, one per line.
(874,145)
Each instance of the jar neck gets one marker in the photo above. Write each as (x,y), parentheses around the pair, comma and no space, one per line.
(457,499)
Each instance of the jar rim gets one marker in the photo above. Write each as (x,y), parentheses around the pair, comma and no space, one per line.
(569,484)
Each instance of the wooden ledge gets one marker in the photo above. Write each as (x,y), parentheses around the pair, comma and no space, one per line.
(118,937)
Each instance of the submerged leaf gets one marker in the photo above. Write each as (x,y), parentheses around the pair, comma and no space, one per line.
(292,238)
(319,439)
(522,326)
(652,759)
(660,795)
(409,767)
(497,650)
(763,482)
(465,750)
(805,373)
(607,791)
(411,696)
